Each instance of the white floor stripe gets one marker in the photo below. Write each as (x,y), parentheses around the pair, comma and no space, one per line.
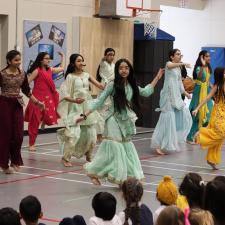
(73,173)
(42,144)
(75,181)
(176,164)
(186,171)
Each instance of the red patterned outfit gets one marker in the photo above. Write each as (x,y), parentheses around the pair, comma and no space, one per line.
(44,90)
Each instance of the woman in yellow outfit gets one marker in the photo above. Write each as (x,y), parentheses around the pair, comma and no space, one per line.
(212,137)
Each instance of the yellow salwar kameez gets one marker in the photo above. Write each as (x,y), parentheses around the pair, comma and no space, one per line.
(212,137)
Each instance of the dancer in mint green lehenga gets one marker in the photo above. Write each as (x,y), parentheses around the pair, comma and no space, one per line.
(175,119)
(117,158)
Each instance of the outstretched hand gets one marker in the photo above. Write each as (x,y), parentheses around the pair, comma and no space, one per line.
(160,73)
(194,113)
(203,60)
(79,100)
(79,119)
(102,86)
(187,65)
(41,105)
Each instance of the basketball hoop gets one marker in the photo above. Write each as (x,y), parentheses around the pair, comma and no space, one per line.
(150,18)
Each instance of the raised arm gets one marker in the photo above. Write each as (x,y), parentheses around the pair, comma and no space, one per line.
(209,96)
(60,68)
(98,102)
(149,89)
(171,65)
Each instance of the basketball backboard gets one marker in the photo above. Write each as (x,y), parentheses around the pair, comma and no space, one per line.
(138,4)
(122,8)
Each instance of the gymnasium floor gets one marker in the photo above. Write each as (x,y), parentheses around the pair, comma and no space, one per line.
(68,191)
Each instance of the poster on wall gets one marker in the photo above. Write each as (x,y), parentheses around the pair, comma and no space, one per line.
(48,37)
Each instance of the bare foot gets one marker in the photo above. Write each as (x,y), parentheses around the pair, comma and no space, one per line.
(159,151)
(32,148)
(95,181)
(191,142)
(8,171)
(213,165)
(16,167)
(66,163)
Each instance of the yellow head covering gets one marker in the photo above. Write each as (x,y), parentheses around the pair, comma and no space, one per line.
(167,192)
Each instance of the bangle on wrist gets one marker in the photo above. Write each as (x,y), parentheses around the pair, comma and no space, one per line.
(83,115)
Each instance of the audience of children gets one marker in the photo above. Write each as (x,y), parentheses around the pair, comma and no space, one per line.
(206,204)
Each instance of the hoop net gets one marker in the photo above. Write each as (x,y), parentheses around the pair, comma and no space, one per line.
(150,19)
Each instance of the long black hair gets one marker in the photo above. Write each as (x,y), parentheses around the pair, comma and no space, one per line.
(72,65)
(37,63)
(119,97)
(198,63)
(107,50)
(219,82)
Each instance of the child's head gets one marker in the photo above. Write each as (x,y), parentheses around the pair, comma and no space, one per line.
(132,192)
(9,216)
(76,220)
(109,54)
(215,199)
(123,69)
(192,187)
(175,55)
(104,205)
(206,57)
(42,59)
(30,209)
(13,59)
(200,217)
(124,72)
(171,215)
(219,178)
(76,64)
(167,192)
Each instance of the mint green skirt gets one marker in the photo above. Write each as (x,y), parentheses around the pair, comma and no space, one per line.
(116,158)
